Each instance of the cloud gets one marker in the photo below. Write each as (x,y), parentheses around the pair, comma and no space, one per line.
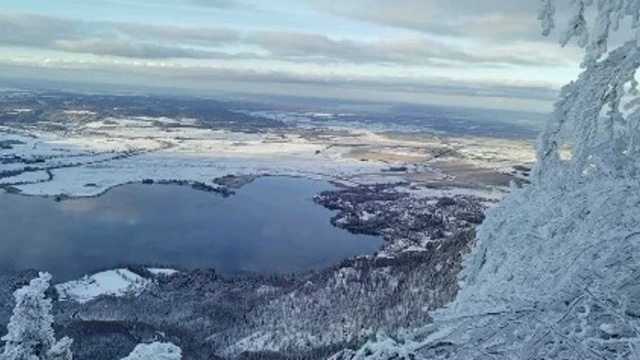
(126,48)
(385,48)
(495,19)
(198,77)
(196,35)
(113,39)
(443,86)
(29,30)
(145,41)
(222,4)
(414,50)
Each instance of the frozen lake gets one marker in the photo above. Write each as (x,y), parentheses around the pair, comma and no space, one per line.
(270,225)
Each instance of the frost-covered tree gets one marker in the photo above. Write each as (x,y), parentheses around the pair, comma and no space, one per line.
(382,347)
(30,332)
(155,351)
(597,117)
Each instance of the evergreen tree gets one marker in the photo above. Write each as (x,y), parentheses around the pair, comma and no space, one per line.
(30,332)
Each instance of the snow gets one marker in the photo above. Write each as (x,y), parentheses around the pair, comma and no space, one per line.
(202,168)
(132,153)
(19,111)
(26,177)
(366,216)
(164,272)
(118,282)
(258,340)
(493,194)
(414,248)
(382,347)
(266,290)
(116,151)
(155,351)
(79,112)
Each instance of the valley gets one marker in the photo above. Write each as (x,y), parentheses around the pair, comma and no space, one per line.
(410,196)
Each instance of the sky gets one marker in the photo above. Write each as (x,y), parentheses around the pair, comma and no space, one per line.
(478,53)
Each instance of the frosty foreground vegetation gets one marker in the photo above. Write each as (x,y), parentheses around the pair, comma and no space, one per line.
(31,335)
(30,329)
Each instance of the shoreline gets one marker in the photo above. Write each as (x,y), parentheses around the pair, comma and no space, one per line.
(13,190)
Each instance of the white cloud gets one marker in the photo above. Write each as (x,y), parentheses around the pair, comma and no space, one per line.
(223,4)
(492,19)
(110,38)
(415,48)
(165,42)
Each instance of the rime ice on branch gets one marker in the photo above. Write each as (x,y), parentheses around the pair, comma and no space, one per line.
(597,117)
(591,29)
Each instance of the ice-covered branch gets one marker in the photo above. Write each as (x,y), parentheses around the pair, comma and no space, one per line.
(590,122)
(591,22)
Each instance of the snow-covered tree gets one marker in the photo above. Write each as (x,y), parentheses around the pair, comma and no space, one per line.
(30,332)
(155,351)
(597,117)
(382,347)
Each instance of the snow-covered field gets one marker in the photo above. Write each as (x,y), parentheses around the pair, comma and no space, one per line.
(97,157)
(87,159)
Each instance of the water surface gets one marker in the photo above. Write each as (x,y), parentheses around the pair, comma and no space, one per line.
(270,225)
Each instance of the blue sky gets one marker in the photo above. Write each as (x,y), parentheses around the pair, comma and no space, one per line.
(477,53)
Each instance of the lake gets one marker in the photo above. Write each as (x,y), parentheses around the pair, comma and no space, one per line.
(269,226)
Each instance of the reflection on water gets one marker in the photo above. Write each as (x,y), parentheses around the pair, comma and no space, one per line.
(271,225)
